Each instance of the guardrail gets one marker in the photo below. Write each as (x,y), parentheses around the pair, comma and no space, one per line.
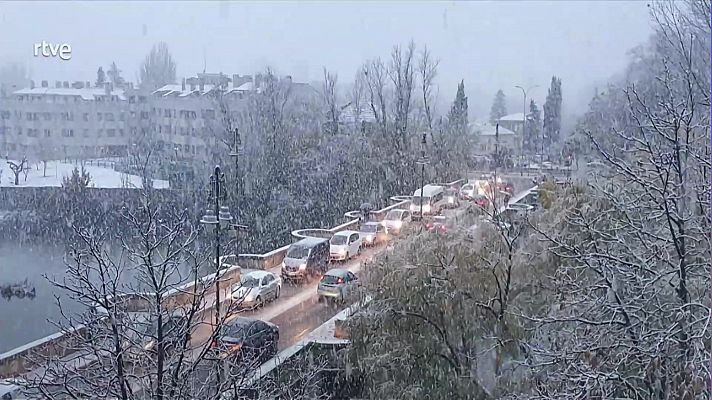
(15,361)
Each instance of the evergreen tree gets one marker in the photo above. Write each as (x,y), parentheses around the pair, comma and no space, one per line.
(158,67)
(457,117)
(77,182)
(115,75)
(499,107)
(552,114)
(100,77)
(532,139)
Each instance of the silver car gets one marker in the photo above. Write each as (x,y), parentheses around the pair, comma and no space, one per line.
(337,284)
(256,288)
(396,220)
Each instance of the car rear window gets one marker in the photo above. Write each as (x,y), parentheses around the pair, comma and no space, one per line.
(330,279)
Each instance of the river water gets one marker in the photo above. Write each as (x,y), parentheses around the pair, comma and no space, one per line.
(23,320)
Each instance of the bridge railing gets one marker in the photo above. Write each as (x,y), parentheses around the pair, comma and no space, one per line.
(15,362)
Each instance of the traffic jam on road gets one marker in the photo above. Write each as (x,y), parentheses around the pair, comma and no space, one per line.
(329,268)
(270,310)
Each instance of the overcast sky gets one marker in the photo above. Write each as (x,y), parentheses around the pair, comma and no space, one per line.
(490,45)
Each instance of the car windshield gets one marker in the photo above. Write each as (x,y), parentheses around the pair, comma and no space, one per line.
(169,326)
(368,228)
(238,330)
(394,215)
(338,240)
(298,252)
(417,200)
(249,282)
(330,279)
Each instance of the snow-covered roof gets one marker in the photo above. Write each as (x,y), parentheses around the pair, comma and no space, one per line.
(348,114)
(516,117)
(85,93)
(486,129)
(101,177)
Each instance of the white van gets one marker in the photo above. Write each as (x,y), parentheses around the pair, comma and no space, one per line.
(432,198)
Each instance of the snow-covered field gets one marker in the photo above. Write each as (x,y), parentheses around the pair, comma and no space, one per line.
(101,177)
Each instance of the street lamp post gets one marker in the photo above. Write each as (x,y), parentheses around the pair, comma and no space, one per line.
(524,121)
(215,220)
(422,162)
(235,153)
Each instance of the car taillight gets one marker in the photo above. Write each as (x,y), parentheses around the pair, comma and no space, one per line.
(340,280)
(214,344)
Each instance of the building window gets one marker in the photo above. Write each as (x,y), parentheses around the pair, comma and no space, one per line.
(86,132)
(47,133)
(86,116)
(122,116)
(144,114)
(19,131)
(109,116)
(28,116)
(100,133)
(133,114)
(5,114)
(111,132)
(121,132)
(98,116)
(47,116)
(167,113)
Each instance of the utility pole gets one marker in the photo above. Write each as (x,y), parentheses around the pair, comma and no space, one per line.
(524,123)
(496,162)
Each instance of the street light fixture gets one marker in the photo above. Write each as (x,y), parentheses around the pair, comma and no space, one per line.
(524,122)
(423,161)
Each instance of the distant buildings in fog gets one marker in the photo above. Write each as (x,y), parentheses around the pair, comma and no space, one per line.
(80,121)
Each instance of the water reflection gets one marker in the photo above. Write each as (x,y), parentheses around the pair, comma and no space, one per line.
(28,308)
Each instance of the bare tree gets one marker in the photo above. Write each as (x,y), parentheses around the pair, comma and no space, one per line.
(631,243)
(401,72)
(17,168)
(330,99)
(427,71)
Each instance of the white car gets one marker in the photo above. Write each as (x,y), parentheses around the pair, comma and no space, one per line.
(468,191)
(396,220)
(256,288)
(344,245)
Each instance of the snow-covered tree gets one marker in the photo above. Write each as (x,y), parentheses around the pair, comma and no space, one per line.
(499,107)
(552,115)
(457,117)
(100,77)
(114,75)
(158,68)
(533,140)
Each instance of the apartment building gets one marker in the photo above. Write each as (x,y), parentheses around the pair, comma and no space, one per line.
(80,121)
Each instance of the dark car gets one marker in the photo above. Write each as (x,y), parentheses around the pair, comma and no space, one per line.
(306,258)
(144,341)
(247,340)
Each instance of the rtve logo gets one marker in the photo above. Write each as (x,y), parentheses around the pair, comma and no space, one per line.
(63,51)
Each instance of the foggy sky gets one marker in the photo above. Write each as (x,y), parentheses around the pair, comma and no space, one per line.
(490,45)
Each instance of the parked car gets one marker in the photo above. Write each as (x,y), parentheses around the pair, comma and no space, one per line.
(430,199)
(143,341)
(547,165)
(337,284)
(452,199)
(396,221)
(247,340)
(17,388)
(345,245)
(468,191)
(373,233)
(306,258)
(256,288)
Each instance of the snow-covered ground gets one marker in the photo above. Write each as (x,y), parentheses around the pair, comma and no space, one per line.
(101,177)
